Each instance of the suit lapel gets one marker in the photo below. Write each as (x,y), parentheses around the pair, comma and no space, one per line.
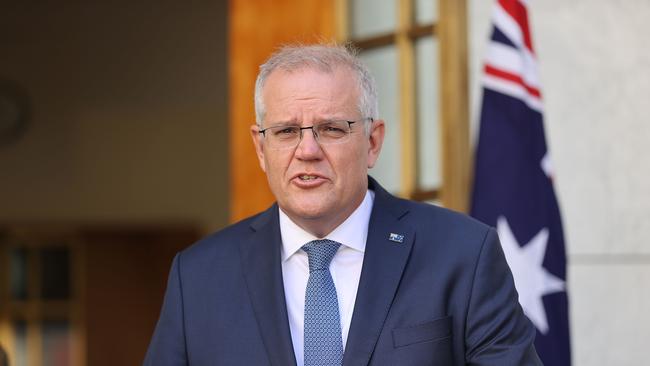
(262,267)
(383,264)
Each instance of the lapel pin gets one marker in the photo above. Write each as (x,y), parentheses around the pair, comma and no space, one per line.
(398,238)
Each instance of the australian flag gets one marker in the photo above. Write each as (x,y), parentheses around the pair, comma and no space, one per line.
(513,187)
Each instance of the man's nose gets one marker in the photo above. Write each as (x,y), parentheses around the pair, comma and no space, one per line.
(308,147)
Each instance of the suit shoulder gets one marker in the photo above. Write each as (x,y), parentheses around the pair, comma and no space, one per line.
(224,240)
(430,211)
(446,223)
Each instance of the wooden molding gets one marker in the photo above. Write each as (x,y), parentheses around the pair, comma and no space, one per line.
(256,29)
(407,99)
(421,30)
(454,109)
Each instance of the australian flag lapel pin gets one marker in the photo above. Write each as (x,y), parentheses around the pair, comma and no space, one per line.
(397,238)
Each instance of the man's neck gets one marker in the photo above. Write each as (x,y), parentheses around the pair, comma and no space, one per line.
(320,227)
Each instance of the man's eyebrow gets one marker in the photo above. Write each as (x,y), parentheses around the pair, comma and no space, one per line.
(298,123)
(283,123)
(330,119)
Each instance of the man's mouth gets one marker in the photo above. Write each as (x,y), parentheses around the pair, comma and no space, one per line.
(308,180)
(306,177)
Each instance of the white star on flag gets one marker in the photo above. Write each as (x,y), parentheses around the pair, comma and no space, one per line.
(532,280)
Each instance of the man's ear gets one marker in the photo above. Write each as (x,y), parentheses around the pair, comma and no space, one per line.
(259,146)
(376,139)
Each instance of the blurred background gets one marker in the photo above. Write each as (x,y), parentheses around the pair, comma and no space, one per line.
(124,138)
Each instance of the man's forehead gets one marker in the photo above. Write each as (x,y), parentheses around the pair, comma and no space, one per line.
(332,71)
(308,83)
(310,93)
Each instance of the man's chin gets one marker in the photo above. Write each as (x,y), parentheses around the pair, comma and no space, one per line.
(303,213)
(310,210)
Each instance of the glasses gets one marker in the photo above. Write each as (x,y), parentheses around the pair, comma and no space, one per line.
(326,133)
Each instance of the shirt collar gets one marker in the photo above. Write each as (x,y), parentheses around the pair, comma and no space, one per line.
(352,232)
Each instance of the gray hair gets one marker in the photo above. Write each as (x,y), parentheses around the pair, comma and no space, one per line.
(325,58)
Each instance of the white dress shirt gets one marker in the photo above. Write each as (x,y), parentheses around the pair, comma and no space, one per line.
(345,268)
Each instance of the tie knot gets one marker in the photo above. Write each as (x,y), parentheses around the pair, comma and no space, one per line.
(320,253)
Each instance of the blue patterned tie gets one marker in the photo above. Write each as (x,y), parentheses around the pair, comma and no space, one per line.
(323,343)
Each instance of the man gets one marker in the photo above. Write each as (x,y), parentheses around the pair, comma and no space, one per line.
(338,271)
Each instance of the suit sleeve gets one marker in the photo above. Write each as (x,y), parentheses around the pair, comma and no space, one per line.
(167,347)
(497,331)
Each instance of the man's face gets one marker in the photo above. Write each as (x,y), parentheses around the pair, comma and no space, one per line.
(336,175)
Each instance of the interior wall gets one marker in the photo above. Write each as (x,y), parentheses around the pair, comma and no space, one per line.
(129,109)
(595,77)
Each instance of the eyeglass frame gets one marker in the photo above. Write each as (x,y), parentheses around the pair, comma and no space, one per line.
(263,131)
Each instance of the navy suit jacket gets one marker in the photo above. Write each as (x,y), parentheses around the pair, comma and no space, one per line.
(443,296)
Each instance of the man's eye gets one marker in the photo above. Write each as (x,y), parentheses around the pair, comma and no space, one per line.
(330,128)
(285,132)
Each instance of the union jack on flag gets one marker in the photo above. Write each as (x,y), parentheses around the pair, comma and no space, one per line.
(513,188)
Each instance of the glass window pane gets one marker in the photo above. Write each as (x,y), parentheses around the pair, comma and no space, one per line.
(426,11)
(20,343)
(18,273)
(56,343)
(55,273)
(371,17)
(382,63)
(426,54)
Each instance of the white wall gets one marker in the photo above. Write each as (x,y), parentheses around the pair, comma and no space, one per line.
(595,70)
